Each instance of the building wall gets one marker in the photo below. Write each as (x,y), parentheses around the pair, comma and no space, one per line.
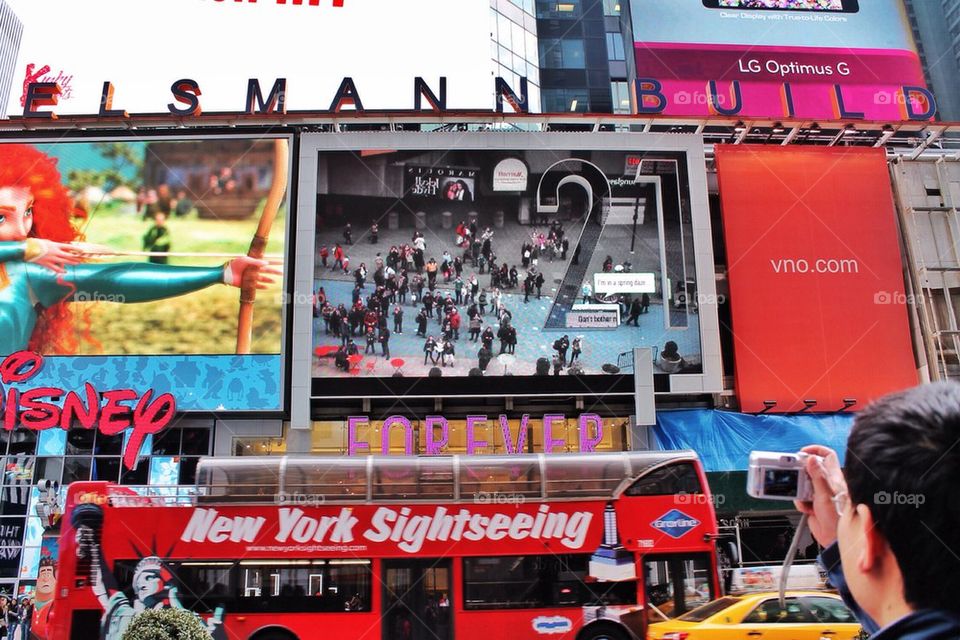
(11,30)
(574,66)
(513,46)
(936,29)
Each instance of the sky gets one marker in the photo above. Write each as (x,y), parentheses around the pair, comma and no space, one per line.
(382,44)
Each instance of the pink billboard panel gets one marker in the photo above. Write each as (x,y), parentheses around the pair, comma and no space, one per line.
(839,60)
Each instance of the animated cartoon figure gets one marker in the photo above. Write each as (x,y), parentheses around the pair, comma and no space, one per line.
(48,506)
(46,587)
(41,272)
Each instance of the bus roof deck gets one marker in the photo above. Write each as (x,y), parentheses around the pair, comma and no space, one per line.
(351,480)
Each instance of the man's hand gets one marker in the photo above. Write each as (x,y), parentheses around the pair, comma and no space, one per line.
(55,256)
(823,466)
(233,271)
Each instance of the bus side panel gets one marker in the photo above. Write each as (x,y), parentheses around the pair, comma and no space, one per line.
(306,625)
(560,623)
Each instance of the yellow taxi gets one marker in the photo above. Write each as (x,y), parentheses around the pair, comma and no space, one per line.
(808,615)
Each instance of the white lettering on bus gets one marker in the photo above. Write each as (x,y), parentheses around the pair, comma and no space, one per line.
(303,528)
(408,531)
(411,532)
(676,524)
(208,525)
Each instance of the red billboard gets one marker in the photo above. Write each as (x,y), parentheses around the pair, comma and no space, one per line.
(816,283)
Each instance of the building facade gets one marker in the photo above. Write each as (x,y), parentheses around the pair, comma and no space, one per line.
(495,286)
(936,29)
(11,32)
(574,57)
(640,215)
(514,48)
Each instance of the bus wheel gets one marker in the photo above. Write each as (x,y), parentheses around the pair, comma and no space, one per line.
(603,632)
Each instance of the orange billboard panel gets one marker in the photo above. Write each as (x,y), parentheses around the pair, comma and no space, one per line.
(816,277)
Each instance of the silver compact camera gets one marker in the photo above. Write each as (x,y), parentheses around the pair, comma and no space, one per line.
(779,476)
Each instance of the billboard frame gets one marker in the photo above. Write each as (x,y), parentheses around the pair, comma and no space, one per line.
(691,146)
(290,202)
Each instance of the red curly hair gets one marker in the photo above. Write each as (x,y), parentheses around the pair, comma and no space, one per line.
(25,166)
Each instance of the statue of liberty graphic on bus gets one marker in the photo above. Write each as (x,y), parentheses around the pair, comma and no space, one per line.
(150,586)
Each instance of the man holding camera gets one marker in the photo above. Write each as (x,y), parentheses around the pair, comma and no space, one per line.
(889,522)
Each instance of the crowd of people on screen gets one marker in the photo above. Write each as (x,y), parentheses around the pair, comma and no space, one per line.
(446,291)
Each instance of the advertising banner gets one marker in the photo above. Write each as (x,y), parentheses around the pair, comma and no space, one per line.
(302,524)
(414,283)
(838,59)
(510,174)
(121,264)
(262,40)
(816,288)
(442,183)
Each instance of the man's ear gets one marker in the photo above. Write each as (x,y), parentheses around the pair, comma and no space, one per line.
(874,545)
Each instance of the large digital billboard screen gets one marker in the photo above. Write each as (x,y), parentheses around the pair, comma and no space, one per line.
(464,271)
(121,265)
(778,59)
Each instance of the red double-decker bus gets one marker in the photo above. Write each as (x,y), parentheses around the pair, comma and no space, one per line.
(558,546)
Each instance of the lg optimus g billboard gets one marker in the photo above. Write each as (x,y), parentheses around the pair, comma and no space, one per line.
(128,282)
(476,270)
(819,59)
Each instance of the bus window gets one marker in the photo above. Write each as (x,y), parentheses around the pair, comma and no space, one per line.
(488,477)
(426,479)
(280,586)
(202,586)
(527,582)
(352,579)
(676,584)
(239,480)
(582,476)
(667,481)
(304,586)
(339,480)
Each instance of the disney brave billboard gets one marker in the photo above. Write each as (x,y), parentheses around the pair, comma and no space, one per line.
(148,269)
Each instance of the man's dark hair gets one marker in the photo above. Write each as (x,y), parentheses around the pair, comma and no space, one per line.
(903,463)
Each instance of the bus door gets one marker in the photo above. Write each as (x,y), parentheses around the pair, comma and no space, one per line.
(417,600)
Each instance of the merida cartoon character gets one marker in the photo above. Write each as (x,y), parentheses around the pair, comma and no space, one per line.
(41,273)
